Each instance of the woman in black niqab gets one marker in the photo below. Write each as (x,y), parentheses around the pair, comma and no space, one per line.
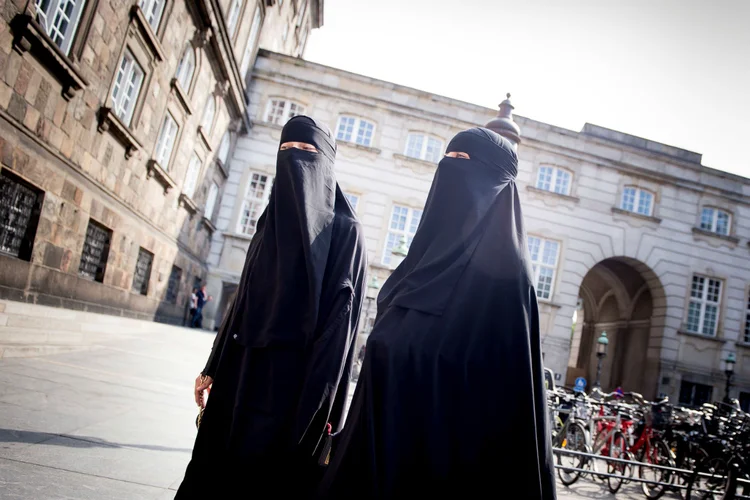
(450,400)
(281,361)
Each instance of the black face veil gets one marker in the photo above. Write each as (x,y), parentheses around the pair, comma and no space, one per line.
(453,375)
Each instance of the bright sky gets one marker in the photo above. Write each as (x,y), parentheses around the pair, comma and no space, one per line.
(674,71)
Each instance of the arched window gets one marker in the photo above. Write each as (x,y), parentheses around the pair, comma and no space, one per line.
(208,114)
(186,68)
(223,154)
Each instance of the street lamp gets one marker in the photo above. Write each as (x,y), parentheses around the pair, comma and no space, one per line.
(601,352)
(729,371)
(400,251)
(372,292)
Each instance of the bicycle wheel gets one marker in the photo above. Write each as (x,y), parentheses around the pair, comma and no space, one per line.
(618,450)
(690,462)
(575,440)
(708,480)
(658,454)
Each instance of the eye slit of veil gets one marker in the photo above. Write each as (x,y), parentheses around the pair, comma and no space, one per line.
(458,154)
(304,146)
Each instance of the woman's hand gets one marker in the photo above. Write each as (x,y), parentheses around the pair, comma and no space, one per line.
(202,383)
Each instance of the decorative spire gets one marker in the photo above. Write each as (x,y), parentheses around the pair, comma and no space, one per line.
(503,123)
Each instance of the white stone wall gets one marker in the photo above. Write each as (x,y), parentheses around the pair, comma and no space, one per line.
(664,248)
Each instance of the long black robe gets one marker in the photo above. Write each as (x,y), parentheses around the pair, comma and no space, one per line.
(282,357)
(450,401)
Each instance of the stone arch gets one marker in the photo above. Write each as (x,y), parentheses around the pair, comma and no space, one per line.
(624,297)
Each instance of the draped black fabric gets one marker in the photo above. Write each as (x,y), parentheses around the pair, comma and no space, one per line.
(282,357)
(450,400)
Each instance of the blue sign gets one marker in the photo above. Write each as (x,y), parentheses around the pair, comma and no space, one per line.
(580,384)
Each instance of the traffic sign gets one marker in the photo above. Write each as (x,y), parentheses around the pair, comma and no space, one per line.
(580,384)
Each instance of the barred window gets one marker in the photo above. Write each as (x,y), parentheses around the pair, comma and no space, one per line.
(544,255)
(173,286)
(95,252)
(59,18)
(703,311)
(20,207)
(142,273)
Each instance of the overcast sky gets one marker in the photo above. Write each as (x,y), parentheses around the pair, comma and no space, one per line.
(674,71)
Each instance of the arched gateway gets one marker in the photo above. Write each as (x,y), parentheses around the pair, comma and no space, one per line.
(625,298)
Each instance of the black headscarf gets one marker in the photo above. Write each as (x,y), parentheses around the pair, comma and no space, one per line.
(450,400)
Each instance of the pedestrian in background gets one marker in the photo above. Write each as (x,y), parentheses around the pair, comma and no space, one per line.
(280,364)
(450,401)
(192,305)
(201,297)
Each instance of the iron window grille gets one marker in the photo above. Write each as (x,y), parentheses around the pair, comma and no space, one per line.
(95,252)
(20,207)
(173,287)
(142,273)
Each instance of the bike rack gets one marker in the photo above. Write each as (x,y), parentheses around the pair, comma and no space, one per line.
(562,451)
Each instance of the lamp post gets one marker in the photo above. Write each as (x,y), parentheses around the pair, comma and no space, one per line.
(400,251)
(601,352)
(729,371)
(372,287)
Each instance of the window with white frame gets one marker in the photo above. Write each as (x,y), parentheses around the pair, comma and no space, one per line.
(554,179)
(152,9)
(715,220)
(213,193)
(256,197)
(279,111)
(209,110)
(234,15)
(186,68)
(353,129)
(226,143)
(191,177)
(404,223)
(703,311)
(252,41)
(165,141)
(59,18)
(353,200)
(424,147)
(746,337)
(637,200)
(544,256)
(127,87)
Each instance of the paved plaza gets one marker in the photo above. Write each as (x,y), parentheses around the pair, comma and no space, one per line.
(115,420)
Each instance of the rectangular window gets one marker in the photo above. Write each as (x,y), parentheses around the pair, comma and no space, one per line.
(353,200)
(355,130)
(716,221)
(127,87)
(95,252)
(692,394)
(553,179)
(252,41)
(424,147)
(20,207)
(745,401)
(60,19)
(165,141)
(142,273)
(173,286)
(152,10)
(404,224)
(256,198)
(703,311)
(544,255)
(191,177)
(234,16)
(637,201)
(213,193)
(279,111)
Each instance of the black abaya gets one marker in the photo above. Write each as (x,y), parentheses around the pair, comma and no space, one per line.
(450,400)
(282,357)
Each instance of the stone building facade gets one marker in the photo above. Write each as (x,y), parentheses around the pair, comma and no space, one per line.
(117,121)
(627,235)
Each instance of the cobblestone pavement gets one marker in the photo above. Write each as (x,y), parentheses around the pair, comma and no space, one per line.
(114,422)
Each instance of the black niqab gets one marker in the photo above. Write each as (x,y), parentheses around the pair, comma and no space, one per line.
(450,399)
(282,357)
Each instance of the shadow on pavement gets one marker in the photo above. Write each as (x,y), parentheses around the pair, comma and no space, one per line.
(31,437)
